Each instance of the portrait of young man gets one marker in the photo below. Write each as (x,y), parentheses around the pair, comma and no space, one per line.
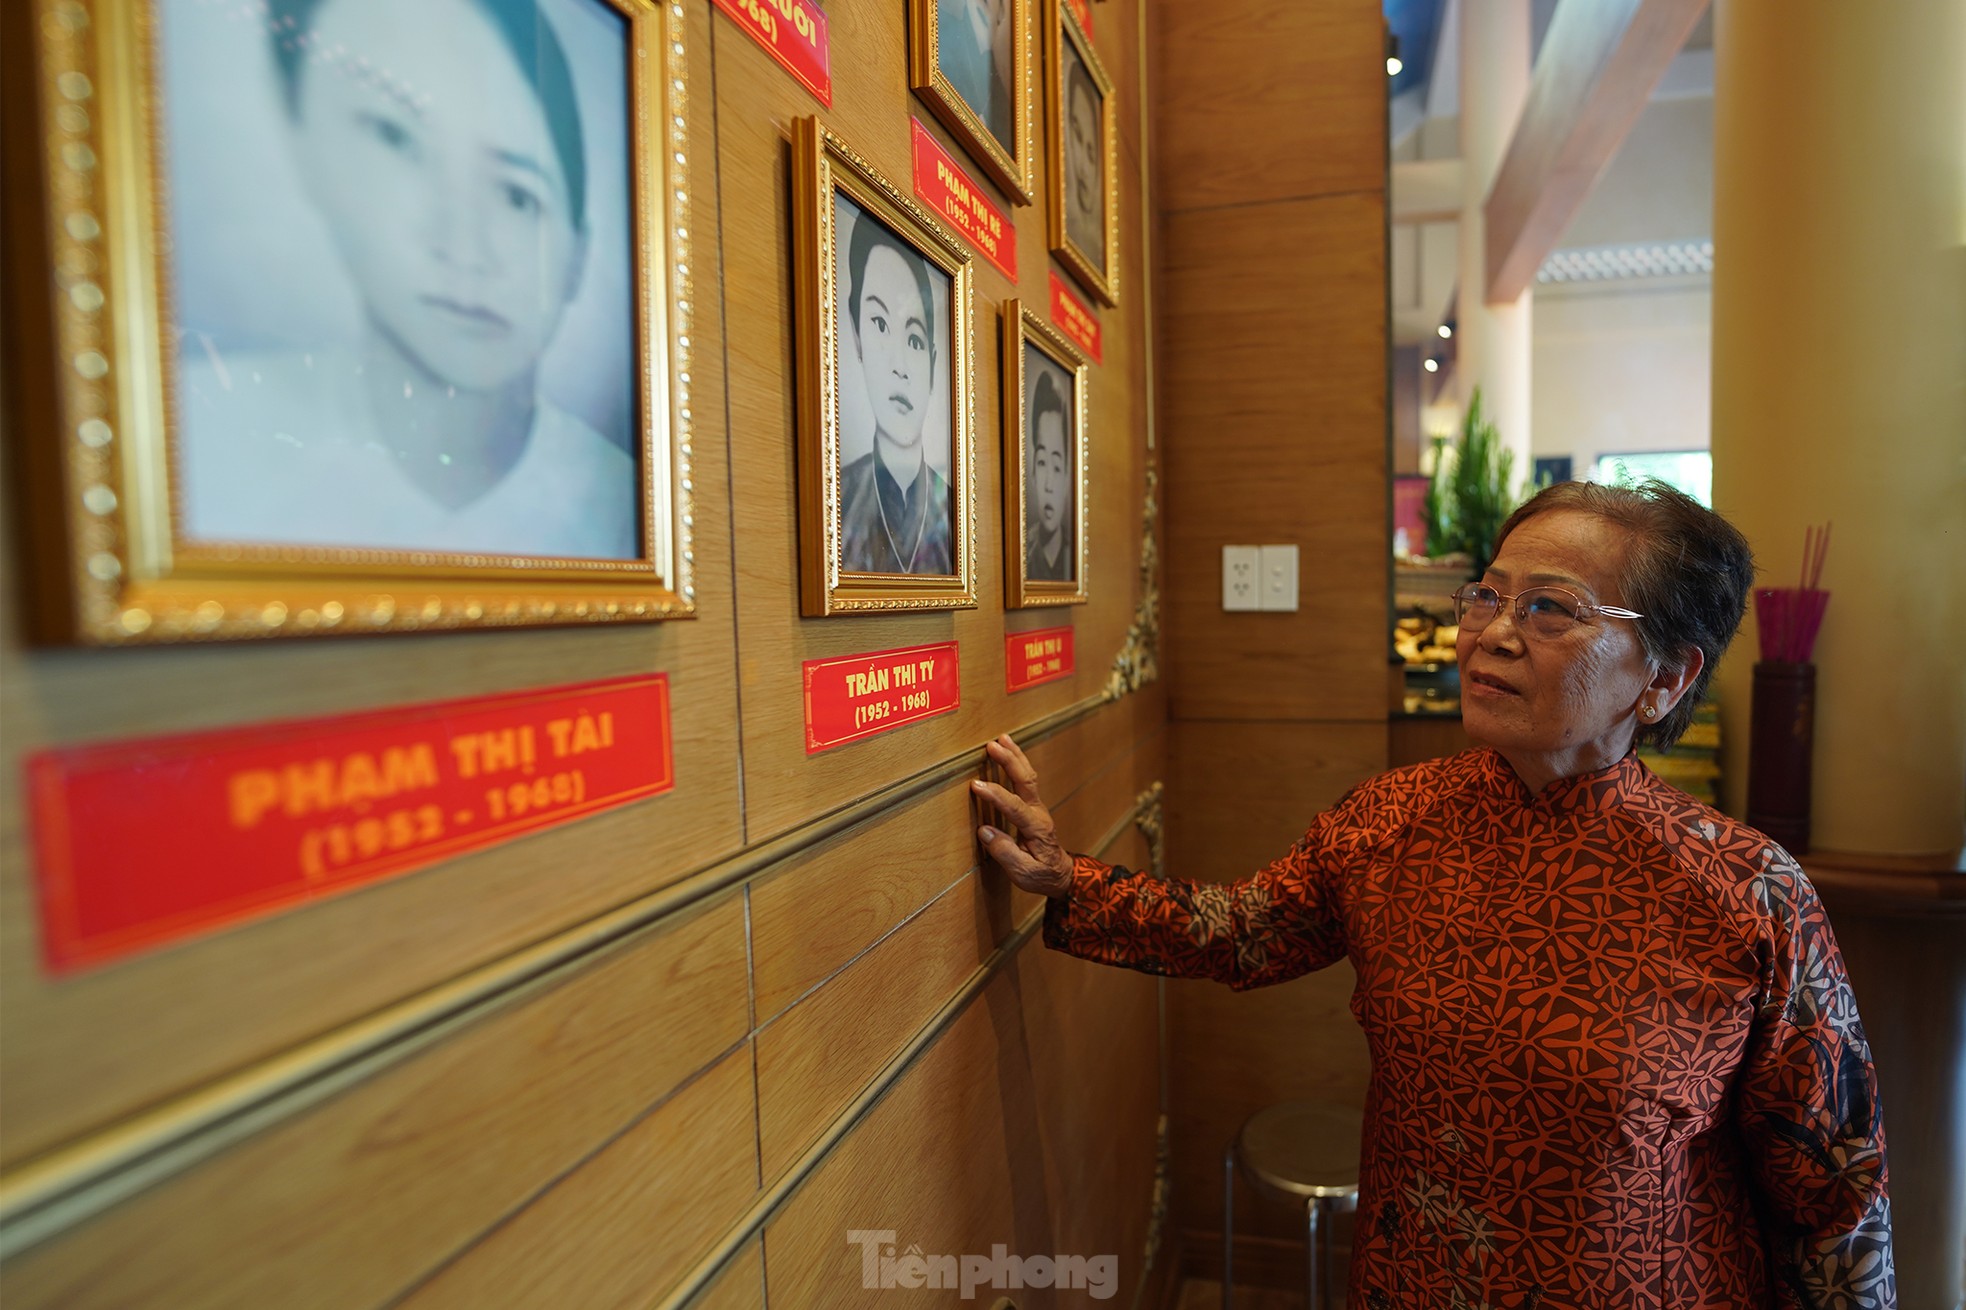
(896,444)
(973,51)
(1050,471)
(403,297)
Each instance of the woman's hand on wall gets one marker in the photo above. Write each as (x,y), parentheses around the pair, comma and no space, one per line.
(1031,855)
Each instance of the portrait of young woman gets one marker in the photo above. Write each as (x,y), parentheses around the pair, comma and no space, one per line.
(895,436)
(886,401)
(403,276)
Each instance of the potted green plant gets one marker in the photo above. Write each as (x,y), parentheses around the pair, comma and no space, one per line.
(1473,492)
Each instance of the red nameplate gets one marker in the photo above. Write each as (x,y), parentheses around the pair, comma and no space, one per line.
(860,696)
(1083,12)
(145,842)
(794,33)
(1075,320)
(941,183)
(1041,655)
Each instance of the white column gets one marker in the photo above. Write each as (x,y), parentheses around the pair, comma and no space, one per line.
(1839,339)
(1491,341)
(1839,393)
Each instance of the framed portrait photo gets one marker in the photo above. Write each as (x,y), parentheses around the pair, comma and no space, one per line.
(1081,156)
(887,497)
(969,61)
(1045,454)
(367,316)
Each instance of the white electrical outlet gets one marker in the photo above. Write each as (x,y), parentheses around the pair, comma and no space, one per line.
(1240,578)
(1278,586)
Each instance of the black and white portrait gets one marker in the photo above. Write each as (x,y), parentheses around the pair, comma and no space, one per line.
(402,274)
(973,50)
(1050,470)
(896,447)
(1083,112)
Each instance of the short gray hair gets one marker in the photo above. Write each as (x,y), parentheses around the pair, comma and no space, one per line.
(1689,572)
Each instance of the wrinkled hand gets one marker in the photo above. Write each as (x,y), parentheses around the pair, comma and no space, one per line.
(1031,856)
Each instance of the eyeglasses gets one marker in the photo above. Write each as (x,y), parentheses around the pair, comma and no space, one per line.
(1542,612)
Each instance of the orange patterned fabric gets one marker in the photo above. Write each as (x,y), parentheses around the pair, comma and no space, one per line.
(1615,1058)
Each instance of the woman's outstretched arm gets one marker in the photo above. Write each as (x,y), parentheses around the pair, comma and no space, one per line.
(1267,928)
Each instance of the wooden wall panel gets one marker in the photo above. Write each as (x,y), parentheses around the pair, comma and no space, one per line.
(782,784)
(869,881)
(872,877)
(87,1049)
(1266,101)
(817,1056)
(364,1195)
(1239,795)
(1270,144)
(583,1142)
(973,1118)
(741,1284)
(1275,369)
(1092,1032)
(624,1226)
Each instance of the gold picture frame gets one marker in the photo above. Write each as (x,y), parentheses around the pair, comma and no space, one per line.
(1009,163)
(133,496)
(1092,258)
(886,305)
(1043,564)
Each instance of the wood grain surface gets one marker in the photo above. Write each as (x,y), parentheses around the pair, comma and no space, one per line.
(1263,102)
(86,1050)
(1271,195)
(989,1160)
(1239,795)
(588,1139)
(365,1195)
(1275,313)
(622,1227)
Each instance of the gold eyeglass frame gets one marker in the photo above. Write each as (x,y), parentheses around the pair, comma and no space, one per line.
(94,374)
(823,164)
(1587,611)
(1022,327)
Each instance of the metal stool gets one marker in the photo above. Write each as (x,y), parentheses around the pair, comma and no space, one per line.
(1300,1153)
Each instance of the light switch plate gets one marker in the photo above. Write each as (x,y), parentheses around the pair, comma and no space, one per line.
(1241,566)
(1277,587)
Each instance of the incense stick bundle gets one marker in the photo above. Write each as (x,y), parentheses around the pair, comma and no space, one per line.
(1787,619)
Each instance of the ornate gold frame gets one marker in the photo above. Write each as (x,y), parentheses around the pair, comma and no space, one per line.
(1015,173)
(821,164)
(95,376)
(1061,27)
(1020,327)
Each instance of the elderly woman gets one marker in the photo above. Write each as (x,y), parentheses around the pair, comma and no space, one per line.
(1615,1057)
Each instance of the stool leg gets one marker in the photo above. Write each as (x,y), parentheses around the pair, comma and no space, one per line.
(1324,1256)
(1228,1227)
(1313,1294)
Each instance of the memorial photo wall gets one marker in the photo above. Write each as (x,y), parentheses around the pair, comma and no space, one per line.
(393,299)
(495,807)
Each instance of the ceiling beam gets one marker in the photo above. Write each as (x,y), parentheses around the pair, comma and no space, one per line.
(1427,191)
(1597,68)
